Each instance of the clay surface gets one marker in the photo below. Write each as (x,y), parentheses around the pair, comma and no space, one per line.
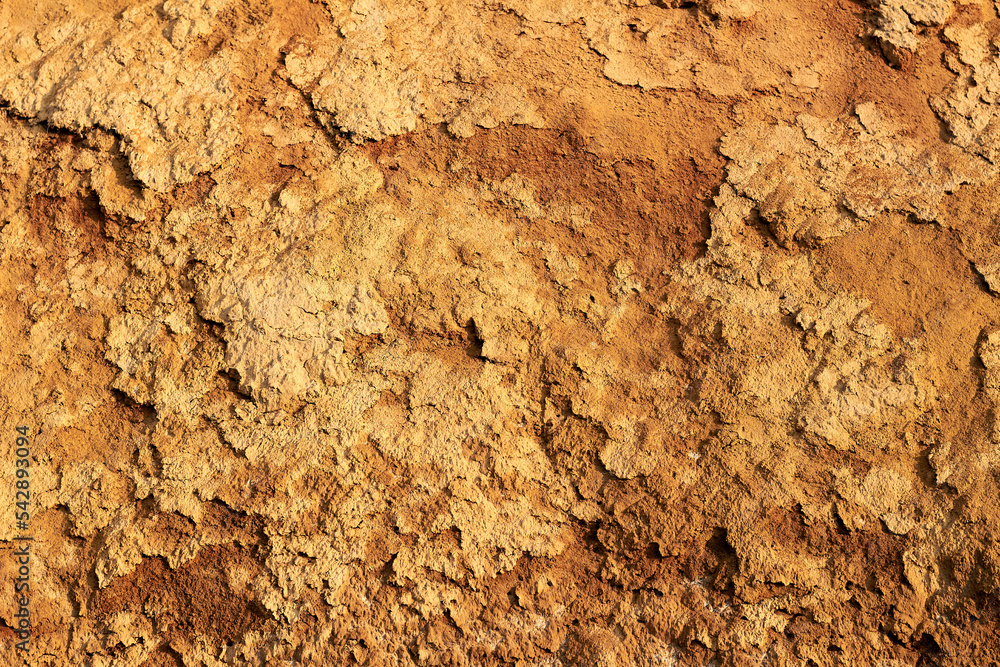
(538,333)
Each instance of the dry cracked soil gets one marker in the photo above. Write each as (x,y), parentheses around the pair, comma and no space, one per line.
(500,332)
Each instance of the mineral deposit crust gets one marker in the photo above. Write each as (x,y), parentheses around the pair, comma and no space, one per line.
(513,333)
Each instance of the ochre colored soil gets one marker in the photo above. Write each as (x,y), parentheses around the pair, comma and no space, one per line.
(548,333)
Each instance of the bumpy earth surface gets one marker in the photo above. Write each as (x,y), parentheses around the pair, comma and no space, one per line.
(502,332)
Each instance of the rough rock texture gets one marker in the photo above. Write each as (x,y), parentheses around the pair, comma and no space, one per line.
(502,333)
(901,21)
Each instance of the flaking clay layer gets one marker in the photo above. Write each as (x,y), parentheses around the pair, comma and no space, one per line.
(549,334)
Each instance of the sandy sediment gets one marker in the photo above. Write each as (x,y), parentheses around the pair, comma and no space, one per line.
(501,333)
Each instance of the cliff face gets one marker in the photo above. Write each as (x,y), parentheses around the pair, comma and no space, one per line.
(502,333)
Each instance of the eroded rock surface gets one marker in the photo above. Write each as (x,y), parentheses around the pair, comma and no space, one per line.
(519,333)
